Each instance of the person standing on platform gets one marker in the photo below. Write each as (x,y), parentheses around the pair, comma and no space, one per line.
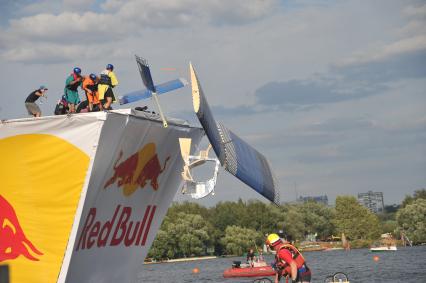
(107,82)
(73,81)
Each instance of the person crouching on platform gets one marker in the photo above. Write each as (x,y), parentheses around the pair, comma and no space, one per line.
(107,82)
(288,261)
(90,86)
(71,85)
(32,107)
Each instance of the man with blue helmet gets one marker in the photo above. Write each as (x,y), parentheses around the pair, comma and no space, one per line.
(73,81)
(107,81)
(90,86)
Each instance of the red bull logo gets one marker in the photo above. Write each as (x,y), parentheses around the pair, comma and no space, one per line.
(116,230)
(13,241)
(137,170)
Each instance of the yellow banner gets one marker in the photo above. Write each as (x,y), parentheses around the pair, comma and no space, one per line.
(41,178)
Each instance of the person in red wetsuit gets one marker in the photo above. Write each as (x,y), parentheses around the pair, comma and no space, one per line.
(289,262)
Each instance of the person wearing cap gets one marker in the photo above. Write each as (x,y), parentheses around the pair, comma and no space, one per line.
(32,107)
(107,82)
(289,262)
(72,83)
(90,86)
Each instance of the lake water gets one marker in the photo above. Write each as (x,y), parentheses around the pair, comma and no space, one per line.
(405,265)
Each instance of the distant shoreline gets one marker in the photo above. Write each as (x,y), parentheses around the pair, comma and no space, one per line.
(184,259)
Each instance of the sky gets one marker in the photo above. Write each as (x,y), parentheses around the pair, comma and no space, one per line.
(333,93)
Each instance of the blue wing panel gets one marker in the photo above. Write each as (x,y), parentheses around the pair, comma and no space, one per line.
(144,94)
(252,168)
(237,156)
(145,73)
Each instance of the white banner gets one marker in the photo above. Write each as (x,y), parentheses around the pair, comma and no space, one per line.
(45,166)
(136,173)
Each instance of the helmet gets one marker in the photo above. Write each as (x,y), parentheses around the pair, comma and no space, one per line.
(92,76)
(77,71)
(110,67)
(273,239)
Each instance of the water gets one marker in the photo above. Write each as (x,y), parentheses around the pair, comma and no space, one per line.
(405,265)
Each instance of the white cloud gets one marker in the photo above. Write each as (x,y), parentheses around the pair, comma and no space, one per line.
(56,53)
(415,11)
(400,47)
(25,37)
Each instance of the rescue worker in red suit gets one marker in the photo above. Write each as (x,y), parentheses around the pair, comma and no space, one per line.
(289,262)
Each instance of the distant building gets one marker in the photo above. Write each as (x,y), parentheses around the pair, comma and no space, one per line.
(372,200)
(319,199)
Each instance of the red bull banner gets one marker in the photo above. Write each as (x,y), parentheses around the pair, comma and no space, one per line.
(82,196)
(135,176)
(44,169)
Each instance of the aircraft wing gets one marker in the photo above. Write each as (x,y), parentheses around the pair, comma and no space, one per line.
(144,94)
(237,156)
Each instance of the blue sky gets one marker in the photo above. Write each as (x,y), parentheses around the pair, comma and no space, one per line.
(332,92)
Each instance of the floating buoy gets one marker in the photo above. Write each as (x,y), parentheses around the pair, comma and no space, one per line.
(376,258)
(195,270)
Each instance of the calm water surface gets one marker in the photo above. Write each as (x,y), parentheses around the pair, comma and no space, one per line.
(405,265)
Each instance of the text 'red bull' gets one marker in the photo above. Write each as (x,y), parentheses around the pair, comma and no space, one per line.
(137,170)
(13,241)
(115,232)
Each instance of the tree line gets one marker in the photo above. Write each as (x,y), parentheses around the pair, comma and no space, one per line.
(231,228)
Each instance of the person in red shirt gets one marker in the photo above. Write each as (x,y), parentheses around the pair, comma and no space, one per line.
(289,262)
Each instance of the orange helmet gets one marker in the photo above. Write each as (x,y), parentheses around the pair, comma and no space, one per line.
(273,239)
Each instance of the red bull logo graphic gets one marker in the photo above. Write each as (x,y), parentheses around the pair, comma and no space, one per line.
(115,232)
(13,241)
(138,170)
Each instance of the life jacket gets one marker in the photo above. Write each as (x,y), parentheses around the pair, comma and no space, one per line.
(296,255)
(73,87)
(105,80)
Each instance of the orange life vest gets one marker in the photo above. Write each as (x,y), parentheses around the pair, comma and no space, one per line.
(296,255)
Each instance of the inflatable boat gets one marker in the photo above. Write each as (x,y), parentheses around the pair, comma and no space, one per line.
(260,269)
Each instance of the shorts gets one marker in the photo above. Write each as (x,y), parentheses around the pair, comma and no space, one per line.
(32,108)
(72,97)
(109,93)
(304,276)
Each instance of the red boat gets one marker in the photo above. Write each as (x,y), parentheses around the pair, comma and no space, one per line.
(259,270)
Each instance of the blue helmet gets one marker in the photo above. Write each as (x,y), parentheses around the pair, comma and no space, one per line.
(77,71)
(110,67)
(92,76)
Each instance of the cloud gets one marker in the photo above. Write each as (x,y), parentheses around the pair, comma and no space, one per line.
(55,53)
(311,91)
(115,21)
(415,44)
(355,77)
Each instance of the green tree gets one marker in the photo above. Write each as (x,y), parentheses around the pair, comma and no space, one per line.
(293,222)
(389,226)
(356,221)
(412,220)
(228,213)
(317,218)
(238,240)
(181,236)
(419,194)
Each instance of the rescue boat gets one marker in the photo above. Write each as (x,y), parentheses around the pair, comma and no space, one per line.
(260,269)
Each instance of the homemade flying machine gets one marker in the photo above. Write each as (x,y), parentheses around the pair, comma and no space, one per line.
(233,153)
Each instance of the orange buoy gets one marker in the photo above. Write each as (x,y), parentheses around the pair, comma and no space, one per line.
(376,258)
(195,270)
